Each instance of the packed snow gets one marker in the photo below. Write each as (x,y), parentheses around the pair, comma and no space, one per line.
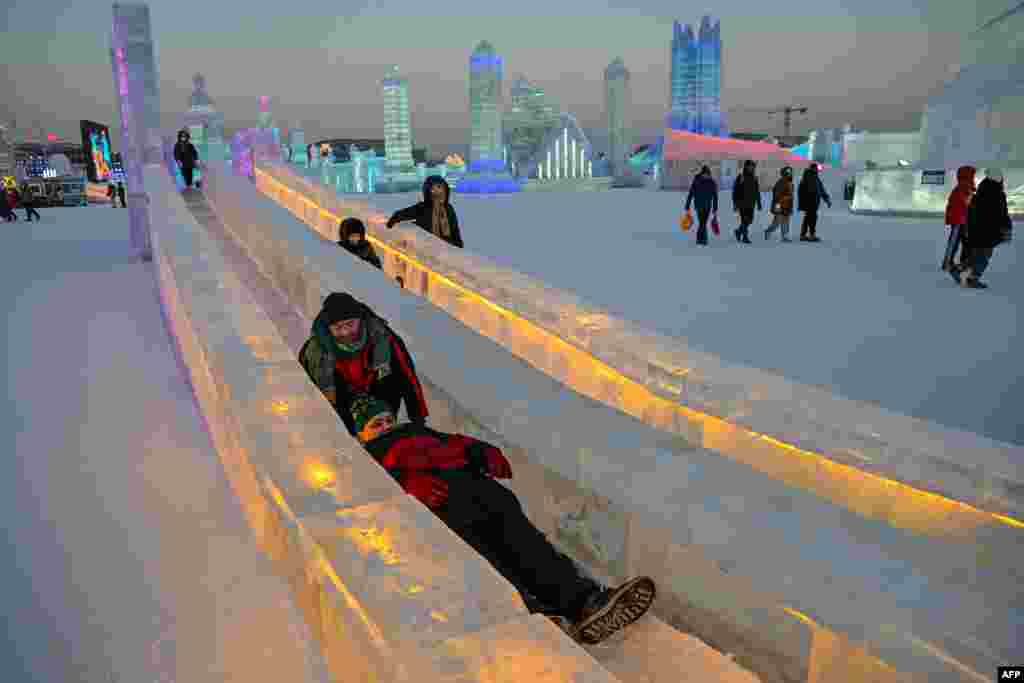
(866,312)
(128,557)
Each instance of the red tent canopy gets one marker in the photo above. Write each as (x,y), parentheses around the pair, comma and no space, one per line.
(683,146)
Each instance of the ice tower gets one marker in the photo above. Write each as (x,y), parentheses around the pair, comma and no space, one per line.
(266,117)
(616,103)
(397,133)
(486,172)
(695,81)
(485,148)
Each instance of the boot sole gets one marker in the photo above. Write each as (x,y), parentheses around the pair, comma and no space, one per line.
(628,603)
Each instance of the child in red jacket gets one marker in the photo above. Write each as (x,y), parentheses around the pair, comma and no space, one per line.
(454,476)
(956,217)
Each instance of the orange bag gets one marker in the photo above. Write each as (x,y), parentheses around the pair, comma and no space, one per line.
(686,221)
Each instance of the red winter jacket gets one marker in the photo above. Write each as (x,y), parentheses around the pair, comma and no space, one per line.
(413,448)
(960,197)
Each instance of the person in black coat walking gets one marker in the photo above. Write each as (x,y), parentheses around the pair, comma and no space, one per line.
(120,195)
(352,238)
(988,226)
(746,196)
(186,155)
(704,196)
(809,195)
(435,214)
(28,200)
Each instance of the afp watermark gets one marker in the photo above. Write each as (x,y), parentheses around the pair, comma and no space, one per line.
(1010,673)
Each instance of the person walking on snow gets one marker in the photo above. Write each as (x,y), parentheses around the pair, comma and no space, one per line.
(988,226)
(186,155)
(704,196)
(28,200)
(435,214)
(352,238)
(454,476)
(956,217)
(353,352)
(782,204)
(810,194)
(746,196)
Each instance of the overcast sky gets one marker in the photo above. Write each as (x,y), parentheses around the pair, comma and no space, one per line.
(868,62)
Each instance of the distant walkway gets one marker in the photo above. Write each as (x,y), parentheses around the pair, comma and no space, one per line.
(128,557)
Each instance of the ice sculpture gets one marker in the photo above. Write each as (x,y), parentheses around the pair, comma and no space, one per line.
(695,87)
(136,85)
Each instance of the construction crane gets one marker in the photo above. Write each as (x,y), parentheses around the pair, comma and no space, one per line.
(787,115)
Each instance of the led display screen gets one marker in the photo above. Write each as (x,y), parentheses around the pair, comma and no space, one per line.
(96,144)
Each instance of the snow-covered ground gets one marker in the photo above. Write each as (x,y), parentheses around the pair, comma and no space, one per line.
(127,556)
(866,312)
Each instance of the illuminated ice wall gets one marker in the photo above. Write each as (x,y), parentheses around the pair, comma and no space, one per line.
(136,85)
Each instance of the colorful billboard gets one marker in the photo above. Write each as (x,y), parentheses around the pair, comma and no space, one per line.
(96,144)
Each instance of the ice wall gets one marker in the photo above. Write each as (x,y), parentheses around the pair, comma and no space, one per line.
(803,435)
(903,192)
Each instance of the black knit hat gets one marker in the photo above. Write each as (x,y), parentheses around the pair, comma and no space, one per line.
(341,306)
(350,226)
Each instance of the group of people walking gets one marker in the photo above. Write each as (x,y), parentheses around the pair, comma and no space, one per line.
(366,372)
(746,199)
(977,220)
(13,198)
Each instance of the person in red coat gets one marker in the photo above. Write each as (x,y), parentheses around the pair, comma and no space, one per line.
(454,476)
(956,216)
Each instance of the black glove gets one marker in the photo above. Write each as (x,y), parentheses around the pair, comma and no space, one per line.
(391,222)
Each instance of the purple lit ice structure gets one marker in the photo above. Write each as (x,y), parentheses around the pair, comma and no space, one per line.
(251,145)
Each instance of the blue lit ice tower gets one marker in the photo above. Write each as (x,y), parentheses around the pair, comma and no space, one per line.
(485,66)
(486,171)
(695,83)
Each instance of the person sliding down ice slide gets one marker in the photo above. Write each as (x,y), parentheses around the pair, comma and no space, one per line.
(351,351)
(454,476)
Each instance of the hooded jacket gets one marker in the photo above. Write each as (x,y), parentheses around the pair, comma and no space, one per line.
(782,196)
(960,197)
(703,194)
(988,216)
(185,152)
(364,249)
(811,192)
(380,366)
(422,213)
(746,193)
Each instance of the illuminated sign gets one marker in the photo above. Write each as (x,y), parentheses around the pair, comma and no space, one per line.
(96,144)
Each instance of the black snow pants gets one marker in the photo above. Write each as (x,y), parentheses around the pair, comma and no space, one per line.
(488,517)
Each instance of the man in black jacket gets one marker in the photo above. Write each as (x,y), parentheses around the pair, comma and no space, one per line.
(988,226)
(186,155)
(746,196)
(435,214)
(454,476)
